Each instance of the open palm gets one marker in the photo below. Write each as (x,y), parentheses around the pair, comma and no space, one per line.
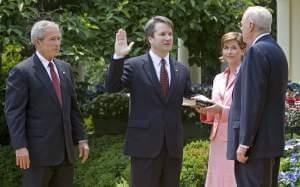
(121,47)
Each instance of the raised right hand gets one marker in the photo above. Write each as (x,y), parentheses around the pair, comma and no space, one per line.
(121,47)
(22,158)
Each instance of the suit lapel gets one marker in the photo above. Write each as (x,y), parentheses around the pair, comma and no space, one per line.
(62,78)
(151,74)
(174,77)
(43,76)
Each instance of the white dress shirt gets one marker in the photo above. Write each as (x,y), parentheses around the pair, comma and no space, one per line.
(45,63)
(157,65)
(259,36)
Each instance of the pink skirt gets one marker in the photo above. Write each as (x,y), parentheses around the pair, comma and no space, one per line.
(220,170)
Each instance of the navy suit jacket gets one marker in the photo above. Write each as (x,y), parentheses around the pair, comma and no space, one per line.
(153,119)
(34,116)
(256,117)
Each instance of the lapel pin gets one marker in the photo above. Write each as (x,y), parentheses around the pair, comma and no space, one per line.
(176,71)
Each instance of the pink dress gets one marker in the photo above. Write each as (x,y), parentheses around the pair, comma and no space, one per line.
(220,170)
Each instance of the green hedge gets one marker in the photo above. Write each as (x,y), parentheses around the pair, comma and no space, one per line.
(10,56)
(107,166)
(10,175)
(104,167)
(195,159)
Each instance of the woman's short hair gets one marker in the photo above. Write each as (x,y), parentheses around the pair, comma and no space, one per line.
(235,36)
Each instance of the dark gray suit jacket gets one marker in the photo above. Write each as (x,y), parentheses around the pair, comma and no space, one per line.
(34,116)
(256,117)
(152,117)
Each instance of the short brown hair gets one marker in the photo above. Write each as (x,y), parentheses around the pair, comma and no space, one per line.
(150,25)
(236,36)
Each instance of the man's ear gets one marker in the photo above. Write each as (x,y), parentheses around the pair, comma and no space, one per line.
(149,39)
(36,42)
(252,26)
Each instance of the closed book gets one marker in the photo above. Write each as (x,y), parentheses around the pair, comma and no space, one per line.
(197,101)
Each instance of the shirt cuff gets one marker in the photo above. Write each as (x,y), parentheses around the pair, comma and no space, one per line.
(83,141)
(244,146)
(116,57)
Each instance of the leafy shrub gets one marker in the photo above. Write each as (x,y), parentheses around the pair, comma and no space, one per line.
(110,106)
(292,108)
(195,131)
(194,166)
(107,166)
(104,167)
(10,175)
(294,88)
(195,158)
(289,174)
(83,97)
(10,57)
(126,175)
(204,89)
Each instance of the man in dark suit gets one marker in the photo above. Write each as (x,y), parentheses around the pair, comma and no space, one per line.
(157,85)
(256,118)
(42,114)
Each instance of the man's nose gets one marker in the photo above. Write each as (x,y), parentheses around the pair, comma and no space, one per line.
(169,37)
(58,42)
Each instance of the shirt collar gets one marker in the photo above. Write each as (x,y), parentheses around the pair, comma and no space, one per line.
(237,70)
(227,70)
(156,59)
(259,37)
(44,61)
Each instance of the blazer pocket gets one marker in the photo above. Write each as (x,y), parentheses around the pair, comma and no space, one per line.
(236,124)
(35,132)
(143,124)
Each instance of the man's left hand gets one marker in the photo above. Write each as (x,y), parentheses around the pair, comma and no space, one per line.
(241,154)
(83,151)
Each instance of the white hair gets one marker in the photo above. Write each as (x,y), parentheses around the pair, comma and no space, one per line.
(261,17)
(39,28)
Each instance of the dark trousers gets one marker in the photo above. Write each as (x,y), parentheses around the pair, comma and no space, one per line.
(49,176)
(161,171)
(257,173)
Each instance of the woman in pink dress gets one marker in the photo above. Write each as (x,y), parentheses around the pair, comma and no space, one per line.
(220,170)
